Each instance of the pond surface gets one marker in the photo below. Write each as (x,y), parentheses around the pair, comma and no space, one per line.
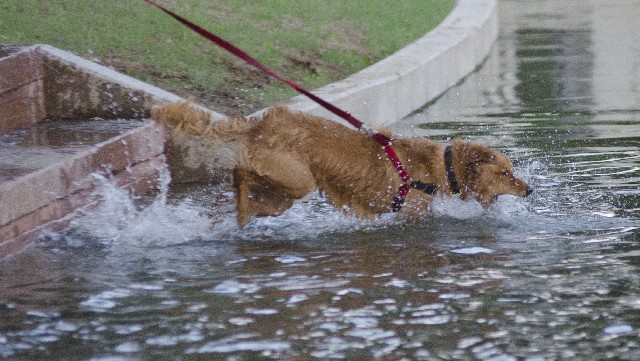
(554,276)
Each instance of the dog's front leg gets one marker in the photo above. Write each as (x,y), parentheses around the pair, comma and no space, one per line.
(416,206)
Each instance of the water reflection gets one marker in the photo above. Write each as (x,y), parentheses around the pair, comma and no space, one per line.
(555,276)
(554,68)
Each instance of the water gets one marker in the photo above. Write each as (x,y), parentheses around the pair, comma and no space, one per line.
(27,150)
(551,277)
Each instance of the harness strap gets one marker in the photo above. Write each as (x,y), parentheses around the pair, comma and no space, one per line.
(430,188)
(451,174)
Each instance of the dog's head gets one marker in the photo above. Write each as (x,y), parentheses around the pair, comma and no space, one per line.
(484,173)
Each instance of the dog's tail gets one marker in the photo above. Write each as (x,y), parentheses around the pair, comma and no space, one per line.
(184,117)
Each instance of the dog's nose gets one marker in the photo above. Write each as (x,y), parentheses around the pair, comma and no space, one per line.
(529,191)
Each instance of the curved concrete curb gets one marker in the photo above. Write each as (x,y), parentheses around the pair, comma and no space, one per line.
(416,74)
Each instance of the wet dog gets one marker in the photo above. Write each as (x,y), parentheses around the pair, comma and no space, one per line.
(284,155)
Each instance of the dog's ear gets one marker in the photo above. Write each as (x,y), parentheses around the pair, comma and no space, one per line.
(474,153)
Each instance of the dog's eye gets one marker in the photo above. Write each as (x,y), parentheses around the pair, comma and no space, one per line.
(506,173)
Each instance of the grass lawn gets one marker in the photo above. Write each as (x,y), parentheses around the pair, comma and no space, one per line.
(309,41)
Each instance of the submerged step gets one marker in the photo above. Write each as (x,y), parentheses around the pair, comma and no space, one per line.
(28,150)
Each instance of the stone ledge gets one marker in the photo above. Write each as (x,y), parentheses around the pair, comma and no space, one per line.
(21,89)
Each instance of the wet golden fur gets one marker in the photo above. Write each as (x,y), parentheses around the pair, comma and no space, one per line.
(285,155)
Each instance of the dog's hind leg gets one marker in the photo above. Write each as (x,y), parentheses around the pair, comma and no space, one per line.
(241,187)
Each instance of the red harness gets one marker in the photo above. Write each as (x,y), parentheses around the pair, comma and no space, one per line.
(382,139)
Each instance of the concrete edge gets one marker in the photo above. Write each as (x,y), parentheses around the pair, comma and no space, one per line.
(106,73)
(157,95)
(416,74)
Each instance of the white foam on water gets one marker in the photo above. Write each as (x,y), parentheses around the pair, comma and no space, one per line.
(506,209)
(220,347)
(617,329)
(105,300)
(119,219)
(472,251)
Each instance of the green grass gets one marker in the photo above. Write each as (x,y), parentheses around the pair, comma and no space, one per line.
(309,41)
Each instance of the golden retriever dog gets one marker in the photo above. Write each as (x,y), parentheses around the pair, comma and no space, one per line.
(284,155)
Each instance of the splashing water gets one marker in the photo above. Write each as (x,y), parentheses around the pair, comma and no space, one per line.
(119,218)
(165,219)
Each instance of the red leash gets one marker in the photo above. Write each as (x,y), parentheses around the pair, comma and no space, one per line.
(382,139)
